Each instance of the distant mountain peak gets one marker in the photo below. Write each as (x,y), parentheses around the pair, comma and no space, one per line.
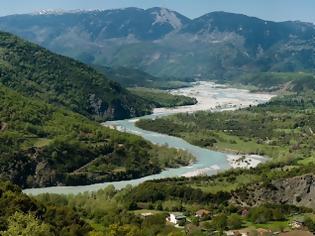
(164,42)
(164,15)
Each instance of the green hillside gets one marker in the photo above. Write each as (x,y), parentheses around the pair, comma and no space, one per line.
(36,72)
(282,128)
(274,81)
(129,77)
(22,215)
(104,213)
(274,193)
(43,145)
(162,98)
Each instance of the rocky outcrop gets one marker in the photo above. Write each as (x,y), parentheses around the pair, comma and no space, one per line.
(3,126)
(298,191)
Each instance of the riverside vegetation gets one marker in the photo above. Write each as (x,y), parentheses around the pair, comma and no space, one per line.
(281,129)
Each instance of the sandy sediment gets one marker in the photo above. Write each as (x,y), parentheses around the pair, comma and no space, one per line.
(212,97)
(245,161)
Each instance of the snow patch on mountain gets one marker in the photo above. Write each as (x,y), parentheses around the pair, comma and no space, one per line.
(166,16)
(60,11)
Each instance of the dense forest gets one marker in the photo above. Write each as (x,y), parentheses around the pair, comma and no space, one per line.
(22,215)
(36,72)
(42,145)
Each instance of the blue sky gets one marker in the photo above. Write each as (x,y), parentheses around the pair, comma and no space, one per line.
(277,10)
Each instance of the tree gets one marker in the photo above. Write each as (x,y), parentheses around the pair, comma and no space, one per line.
(260,215)
(309,223)
(234,221)
(20,224)
(195,221)
(277,214)
(125,230)
(219,222)
(95,233)
(175,234)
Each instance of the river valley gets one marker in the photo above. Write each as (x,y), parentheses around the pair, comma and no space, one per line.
(211,97)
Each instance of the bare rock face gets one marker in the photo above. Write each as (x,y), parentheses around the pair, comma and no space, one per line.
(44,175)
(298,191)
(3,126)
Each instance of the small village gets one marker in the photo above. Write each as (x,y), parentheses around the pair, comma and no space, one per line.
(202,220)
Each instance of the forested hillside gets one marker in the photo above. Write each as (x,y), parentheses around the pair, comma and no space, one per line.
(129,77)
(21,215)
(162,98)
(61,81)
(105,213)
(43,145)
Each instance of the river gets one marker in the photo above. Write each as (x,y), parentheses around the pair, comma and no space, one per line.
(210,97)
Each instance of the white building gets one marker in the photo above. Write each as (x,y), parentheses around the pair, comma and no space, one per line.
(176,218)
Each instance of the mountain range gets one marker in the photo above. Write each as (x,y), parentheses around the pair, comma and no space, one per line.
(164,43)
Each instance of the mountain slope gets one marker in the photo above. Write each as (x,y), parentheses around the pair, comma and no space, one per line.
(256,32)
(43,145)
(164,43)
(151,24)
(128,77)
(39,73)
(298,191)
(21,213)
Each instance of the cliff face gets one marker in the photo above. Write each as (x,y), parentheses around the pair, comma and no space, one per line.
(299,191)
